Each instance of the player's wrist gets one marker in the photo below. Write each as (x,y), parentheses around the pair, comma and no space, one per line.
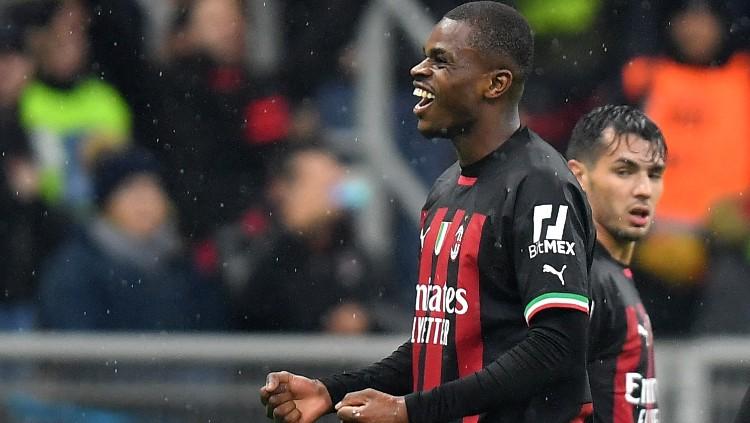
(399,409)
(321,391)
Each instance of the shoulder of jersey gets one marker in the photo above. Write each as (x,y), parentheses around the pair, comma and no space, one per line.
(603,269)
(444,182)
(539,154)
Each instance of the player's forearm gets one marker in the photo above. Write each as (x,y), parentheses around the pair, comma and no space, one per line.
(553,349)
(391,375)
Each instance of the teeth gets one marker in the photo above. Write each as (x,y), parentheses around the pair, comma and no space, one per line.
(422,93)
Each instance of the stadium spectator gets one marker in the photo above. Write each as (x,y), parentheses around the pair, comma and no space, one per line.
(126,270)
(689,116)
(680,91)
(219,126)
(68,114)
(299,268)
(28,230)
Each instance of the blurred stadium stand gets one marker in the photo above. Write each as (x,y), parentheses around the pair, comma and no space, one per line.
(105,378)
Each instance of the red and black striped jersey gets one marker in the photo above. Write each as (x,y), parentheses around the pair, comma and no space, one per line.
(505,249)
(501,240)
(621,346)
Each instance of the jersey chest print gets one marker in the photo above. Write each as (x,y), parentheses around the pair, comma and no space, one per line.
(447,293)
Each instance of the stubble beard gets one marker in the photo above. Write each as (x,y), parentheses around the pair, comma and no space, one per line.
(629,235)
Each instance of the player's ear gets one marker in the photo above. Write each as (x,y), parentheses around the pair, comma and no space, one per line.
(579,171)
(500,81)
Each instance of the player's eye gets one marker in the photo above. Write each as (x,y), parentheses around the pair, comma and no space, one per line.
(656,174)
(623,172)
(439,61)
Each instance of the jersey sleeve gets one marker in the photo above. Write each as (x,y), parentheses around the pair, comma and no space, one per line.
(391,375)
(553,241)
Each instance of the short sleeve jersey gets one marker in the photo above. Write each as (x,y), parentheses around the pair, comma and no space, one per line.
(621,346)
(501,240)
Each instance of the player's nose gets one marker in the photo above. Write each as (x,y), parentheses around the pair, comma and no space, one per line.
(643,187)
(420,70)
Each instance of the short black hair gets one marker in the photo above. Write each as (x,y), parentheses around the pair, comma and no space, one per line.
(498,29)
(586,143)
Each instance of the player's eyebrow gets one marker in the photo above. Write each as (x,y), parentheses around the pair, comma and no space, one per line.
(626,162)
(658,166)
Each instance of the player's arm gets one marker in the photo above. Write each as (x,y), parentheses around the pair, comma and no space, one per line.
(294,398)
(391,375)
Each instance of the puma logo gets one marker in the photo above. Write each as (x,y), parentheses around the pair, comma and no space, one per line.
(549,269)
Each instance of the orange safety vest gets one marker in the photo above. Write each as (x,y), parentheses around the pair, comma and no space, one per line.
(704,114)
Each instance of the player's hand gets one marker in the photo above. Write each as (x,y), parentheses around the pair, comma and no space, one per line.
(291,398)
(371,406)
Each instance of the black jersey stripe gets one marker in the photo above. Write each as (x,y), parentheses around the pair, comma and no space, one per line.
(469,341)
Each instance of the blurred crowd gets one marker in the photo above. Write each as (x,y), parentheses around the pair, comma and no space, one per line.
(156,177)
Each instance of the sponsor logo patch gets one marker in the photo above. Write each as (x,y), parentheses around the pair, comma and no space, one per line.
(552,243)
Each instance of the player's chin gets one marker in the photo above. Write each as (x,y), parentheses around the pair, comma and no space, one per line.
(634,233)
(429,130)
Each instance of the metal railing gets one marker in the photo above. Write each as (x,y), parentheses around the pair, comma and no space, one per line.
(216,377)
(162,378)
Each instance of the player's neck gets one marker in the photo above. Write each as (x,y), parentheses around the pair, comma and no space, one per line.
(486,135)
(620,250)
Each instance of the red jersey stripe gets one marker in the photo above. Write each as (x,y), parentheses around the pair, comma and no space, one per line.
(466,181)
(627,360)
(429,236)
(586,411)
(434,357)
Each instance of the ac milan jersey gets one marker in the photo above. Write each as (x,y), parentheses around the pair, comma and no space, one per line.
(621,346)
(501,240)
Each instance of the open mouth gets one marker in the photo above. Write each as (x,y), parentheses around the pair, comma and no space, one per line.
(426,99)
(640,216)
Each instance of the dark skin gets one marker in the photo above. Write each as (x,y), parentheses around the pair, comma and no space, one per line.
(475,104)
(476,95)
